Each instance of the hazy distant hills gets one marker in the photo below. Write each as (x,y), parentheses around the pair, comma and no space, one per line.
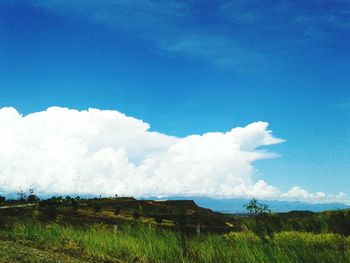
(236,205)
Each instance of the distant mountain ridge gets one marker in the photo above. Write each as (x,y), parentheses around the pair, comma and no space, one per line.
(235,205)
(232,205)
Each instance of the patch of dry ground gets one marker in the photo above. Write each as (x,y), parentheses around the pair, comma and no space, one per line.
(11,252)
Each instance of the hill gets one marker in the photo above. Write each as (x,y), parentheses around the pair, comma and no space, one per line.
(185,214)
(130,230)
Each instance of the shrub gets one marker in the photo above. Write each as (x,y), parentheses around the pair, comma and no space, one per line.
(158,219)
(32,198)
(97,208)
(22,196)
(136,215)
(75,205)
(48,213)
(293,238)
(243,236)
(117,210)
(180,220)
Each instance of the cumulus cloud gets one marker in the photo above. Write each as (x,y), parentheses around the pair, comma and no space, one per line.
(93,151)
(298,194)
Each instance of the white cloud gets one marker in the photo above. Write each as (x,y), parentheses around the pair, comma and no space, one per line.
(66,151)
(298,194)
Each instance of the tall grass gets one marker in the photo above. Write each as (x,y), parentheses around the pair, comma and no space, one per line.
(147,244)
(136,243)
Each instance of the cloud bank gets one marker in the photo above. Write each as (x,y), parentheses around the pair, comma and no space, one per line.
(93,151)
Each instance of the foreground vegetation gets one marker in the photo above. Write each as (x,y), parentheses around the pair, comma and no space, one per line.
(139,243)
(129,230)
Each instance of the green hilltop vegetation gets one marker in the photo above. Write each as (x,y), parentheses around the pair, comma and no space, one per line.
(123,229)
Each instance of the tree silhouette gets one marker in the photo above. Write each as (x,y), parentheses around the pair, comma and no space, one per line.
(256,208)
(32,198)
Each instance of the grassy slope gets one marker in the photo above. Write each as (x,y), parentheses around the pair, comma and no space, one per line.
(68,233)
(144,244)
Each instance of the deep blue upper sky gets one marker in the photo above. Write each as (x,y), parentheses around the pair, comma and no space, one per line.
(194,66)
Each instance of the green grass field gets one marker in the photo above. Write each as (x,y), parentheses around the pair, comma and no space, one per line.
(130,230)
(142,243)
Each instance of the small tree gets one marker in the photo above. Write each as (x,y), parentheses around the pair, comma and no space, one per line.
(29,197)
(22,196)
(256,208)
(32,198)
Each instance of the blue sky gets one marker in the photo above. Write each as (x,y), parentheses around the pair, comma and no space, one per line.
(190,67)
